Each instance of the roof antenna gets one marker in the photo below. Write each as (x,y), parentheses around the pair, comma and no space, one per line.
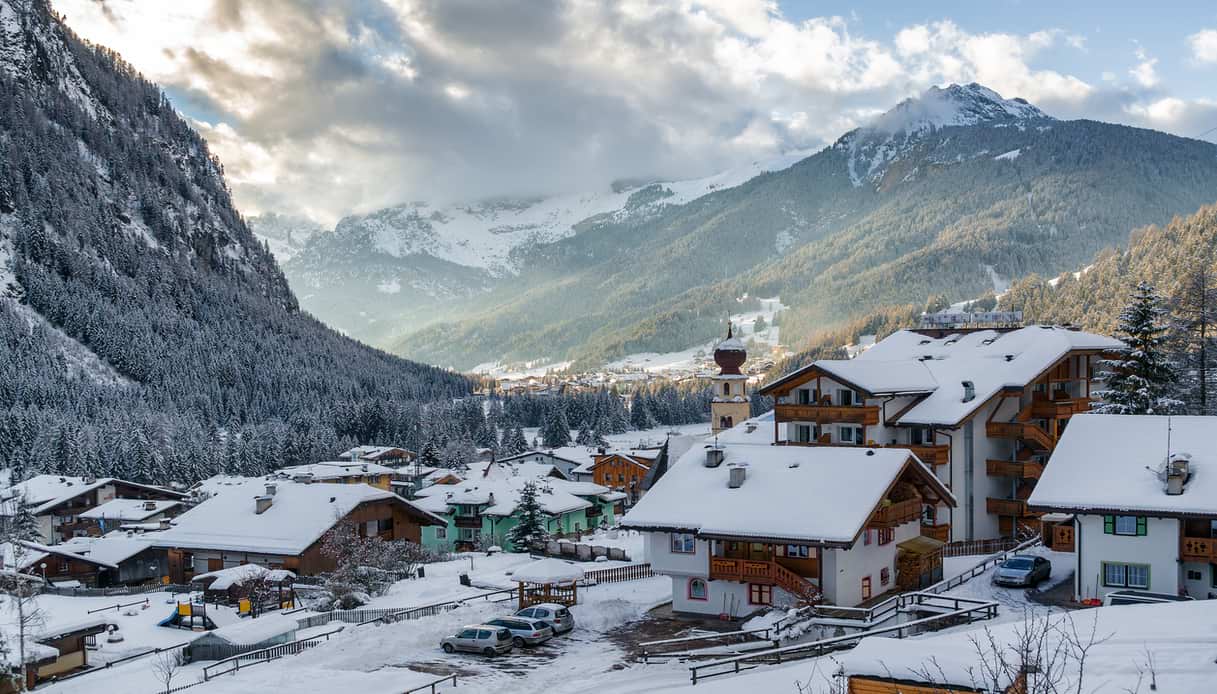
(1168,439)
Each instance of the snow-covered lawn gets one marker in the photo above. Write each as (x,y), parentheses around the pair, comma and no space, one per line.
(390,658)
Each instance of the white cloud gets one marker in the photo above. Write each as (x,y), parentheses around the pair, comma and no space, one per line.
(1204,45)
(329,108)
(1145,72)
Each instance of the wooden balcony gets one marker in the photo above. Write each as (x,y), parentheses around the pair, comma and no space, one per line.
(866,415)
(896,514)
(467,521)
(1006,507)
(1025,470)
(1045,408)
(1198,549)
(931,455)
(766,573)
(1026,432)
(746,570)
(940,532)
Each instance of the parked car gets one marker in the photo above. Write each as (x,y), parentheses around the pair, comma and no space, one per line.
(1022,571)
(1142,597)
(556,616)
(525,631)
(479,638)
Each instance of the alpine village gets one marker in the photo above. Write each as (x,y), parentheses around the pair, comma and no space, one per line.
(962,445)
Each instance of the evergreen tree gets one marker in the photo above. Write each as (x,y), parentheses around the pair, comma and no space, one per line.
(429,456)
(585,436)
(1141,379)
(529,531)
(555,433)
(1195,328)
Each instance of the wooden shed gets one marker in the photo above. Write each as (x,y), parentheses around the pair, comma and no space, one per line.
(918,563)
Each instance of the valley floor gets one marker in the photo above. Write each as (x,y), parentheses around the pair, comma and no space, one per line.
(389,659)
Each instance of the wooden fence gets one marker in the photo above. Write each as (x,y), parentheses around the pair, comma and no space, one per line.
(967,548)
(114,591)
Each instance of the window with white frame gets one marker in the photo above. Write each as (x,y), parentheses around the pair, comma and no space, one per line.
(845,397)
(1121,575)
(1126,525)
(683,543)
(441,533)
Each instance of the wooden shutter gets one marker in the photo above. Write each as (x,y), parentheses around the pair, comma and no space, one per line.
(1109,525)
(1141,522)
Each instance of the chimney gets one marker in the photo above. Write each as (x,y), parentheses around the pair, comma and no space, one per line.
(261,503)
(271,489)
(1178,469)
(969,391)
(714,456)
(736,474)
(164,525)
(601,450)
(149,505)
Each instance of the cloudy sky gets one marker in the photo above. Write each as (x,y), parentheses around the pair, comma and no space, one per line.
(322,108)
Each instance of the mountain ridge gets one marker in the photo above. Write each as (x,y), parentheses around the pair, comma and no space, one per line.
(1011,192)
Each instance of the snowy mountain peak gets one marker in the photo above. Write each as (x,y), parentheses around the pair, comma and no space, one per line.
(954,105)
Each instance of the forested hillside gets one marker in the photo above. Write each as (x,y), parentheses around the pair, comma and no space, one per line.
(144,331)
(1165,256)
(891,214)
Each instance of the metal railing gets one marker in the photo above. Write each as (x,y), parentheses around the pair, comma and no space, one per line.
(649,648)
(989,562)
(263,655)
(979,610)
(430,686)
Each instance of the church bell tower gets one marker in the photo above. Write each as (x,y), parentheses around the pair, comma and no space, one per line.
(730,405)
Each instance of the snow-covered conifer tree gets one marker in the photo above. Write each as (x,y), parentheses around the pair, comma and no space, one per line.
(1141,379)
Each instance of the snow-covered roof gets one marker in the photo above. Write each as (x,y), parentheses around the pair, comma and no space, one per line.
(50,626)
(256,630)
(1110,462)
(498,487)
(881,377)
(223,579)
(129,509)
(548,571)
(375,452)
(731,344)
(298,516)
(820,494)
(113,549)
(335,469)
(44,492)
(35,552)
(910,362)
(1180,636)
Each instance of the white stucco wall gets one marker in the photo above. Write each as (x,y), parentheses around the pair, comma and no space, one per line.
(1159,548)
(665,561)
(844,569)
(723,597)
(1202,588)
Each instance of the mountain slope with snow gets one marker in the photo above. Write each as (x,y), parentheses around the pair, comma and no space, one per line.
(929,199)
(398,269)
